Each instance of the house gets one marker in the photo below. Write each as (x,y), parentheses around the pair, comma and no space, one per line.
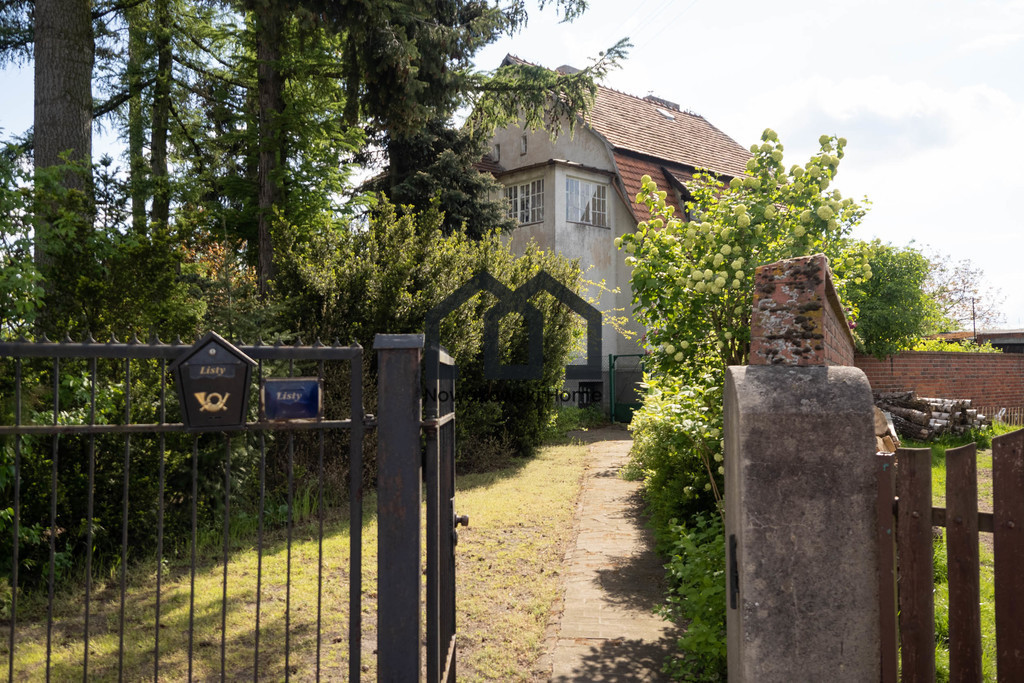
(1007,341)
(575,194)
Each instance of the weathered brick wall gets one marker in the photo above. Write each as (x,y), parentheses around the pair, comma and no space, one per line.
(988,379)
(797,318)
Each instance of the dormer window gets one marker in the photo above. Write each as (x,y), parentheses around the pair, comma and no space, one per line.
(526,201)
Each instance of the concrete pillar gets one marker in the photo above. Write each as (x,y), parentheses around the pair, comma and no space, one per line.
(801,540)
(802,554)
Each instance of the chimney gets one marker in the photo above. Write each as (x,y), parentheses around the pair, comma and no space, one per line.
(662,103)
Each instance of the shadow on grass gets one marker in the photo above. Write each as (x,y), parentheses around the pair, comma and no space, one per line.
(514,466)
(140,628)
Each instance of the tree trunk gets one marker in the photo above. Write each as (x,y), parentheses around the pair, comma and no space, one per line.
(136,124)
(64,52)
(270,86)
(161,116)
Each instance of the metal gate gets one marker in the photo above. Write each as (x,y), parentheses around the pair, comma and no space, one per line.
(624,380)
(413,458)
(212,554)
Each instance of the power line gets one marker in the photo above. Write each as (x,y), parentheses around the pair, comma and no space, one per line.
(666,25)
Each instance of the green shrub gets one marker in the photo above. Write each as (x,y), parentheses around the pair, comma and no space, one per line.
(350,284)
(962,346)
(677,447)
(696,598)
(567,418)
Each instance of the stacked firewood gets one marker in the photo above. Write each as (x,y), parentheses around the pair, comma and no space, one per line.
(923,419)
(886,440)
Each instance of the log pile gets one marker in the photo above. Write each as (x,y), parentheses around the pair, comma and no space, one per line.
(923,419)
(885,440)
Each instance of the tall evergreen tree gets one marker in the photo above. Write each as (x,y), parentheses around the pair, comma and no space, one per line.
(62,116)
(409,68)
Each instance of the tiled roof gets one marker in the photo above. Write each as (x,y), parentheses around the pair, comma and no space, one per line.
(657,128)
(653,129)
(668,177)
(488,165)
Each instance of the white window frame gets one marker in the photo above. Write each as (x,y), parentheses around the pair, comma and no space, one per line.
(586,202)
(526,201)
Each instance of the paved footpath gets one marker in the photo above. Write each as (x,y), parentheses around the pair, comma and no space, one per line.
(606,629)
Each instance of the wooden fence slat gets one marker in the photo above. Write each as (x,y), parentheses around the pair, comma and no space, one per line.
(914,541)
(1008,502)
(887,567)
(962,554)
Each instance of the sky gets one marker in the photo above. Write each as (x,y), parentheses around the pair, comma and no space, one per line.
(930,96)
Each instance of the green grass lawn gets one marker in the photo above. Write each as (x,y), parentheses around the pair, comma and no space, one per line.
(508,564)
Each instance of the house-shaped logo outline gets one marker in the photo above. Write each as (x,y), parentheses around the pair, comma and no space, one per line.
(518,301)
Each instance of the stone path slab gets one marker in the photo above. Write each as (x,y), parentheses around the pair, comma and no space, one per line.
(606,629)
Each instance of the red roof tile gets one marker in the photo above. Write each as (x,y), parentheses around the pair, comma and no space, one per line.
(488,165)
(669,178)
(648,127)
(657,128)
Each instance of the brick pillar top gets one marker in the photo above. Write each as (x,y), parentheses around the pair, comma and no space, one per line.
(797,318)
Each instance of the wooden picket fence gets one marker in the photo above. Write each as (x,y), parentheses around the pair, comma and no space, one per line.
(906,517)
(1012,415)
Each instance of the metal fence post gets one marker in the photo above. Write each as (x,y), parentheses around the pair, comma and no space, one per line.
(398,506)
(611,387)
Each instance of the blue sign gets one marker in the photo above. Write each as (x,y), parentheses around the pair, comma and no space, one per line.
(292,398)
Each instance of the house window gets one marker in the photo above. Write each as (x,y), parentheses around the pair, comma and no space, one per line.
(522,146)
(526,201)
(586,202)
(496,153)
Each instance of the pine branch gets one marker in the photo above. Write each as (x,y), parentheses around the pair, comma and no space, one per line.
(101,12)
(115,101)
(203,71)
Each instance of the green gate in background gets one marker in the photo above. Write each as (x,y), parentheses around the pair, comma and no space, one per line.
(623,385)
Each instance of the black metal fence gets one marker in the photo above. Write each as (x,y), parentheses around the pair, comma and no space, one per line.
(411,468)
(137,548)
(442,520)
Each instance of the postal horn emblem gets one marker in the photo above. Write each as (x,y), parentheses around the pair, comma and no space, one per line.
(212,403)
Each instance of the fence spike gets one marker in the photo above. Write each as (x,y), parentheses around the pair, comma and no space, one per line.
(67,339)
(317,343)
(177,340)
(89,339)
(299,342)
(134,339)
(45,339)
(259,340)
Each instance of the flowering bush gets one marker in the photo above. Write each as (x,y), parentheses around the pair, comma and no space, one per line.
(693,287)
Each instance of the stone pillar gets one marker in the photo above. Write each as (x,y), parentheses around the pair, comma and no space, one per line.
(802,552)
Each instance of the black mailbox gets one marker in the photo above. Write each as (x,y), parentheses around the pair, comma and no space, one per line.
(213,384)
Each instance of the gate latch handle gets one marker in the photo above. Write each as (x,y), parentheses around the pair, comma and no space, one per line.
(461,519)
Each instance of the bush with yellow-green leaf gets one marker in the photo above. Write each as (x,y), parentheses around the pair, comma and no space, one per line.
(693,282)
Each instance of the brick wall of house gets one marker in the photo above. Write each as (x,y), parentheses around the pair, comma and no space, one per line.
(797,318)
(988,379)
